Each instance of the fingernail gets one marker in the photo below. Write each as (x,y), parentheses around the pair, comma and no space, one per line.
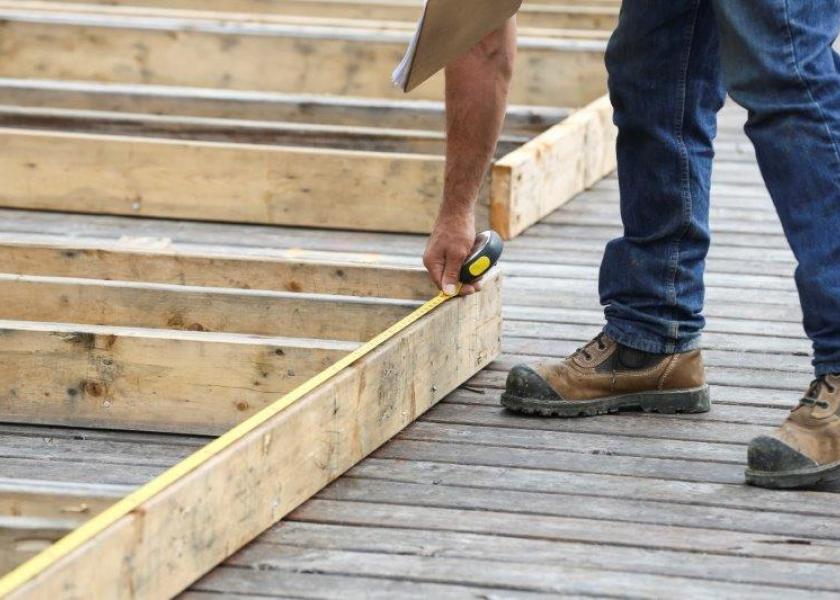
(449,289)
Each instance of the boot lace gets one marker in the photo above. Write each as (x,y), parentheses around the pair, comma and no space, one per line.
(584,351)
(811,397)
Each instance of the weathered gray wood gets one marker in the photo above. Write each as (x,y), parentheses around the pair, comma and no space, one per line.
(405,113)
(592,486)
(571,580)
(549,554)
(237,130)
(236,582)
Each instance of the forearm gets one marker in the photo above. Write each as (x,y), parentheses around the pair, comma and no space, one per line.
(476,98)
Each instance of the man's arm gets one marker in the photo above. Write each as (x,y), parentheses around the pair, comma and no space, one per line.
(476,99)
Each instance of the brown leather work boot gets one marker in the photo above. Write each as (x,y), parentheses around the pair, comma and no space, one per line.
(605,377)
(805,450)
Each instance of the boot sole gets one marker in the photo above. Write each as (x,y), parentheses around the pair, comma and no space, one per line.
(798,478)
(693,400)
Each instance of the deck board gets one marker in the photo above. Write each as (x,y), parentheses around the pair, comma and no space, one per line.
(471,501)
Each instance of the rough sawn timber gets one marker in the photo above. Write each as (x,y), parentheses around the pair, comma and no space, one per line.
(541,176)
(532,14)
(262,183)
(233,55)
(276,467)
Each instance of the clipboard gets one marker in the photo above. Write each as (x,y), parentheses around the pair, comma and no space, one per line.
(448,29)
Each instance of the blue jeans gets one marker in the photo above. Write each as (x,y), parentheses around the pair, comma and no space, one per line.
(670,64)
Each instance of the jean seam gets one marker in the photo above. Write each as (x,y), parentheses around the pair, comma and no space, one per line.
(685,180)
(797,69)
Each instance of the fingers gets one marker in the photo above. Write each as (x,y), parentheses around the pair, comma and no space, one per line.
(471,288)
(434,263)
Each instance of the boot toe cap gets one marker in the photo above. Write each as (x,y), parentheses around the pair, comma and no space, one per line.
(523,381)
(770,454)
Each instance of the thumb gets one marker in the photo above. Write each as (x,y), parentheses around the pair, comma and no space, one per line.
(451,271)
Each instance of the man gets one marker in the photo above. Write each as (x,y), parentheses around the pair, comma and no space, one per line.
(670,63)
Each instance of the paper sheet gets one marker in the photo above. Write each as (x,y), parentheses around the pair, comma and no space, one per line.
(400,75)
(448,29)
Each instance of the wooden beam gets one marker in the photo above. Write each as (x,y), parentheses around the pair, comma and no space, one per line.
(533,14)
(407,25)
(56,500)
(209,53)
(225,502)
(258,183)
(186,308)
(535,180)
(219,182)
(269,133)
(21,538)
(124,378)
(404,113)
(115,261)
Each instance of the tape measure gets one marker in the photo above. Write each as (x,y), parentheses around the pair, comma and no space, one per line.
(485,254)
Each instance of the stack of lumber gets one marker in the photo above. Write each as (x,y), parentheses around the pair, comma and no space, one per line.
(282,116)
(105,337)
(237,111)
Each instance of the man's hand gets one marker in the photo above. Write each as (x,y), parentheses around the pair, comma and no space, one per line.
(476,97)
(449,246)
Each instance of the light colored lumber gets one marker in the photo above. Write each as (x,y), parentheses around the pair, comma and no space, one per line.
(22,538)
(192,308)
(546,29)
(52,500)
(538,178)
(286,58)
(130,262)
(127,378)
(537,14)
(219,181)
(405,113)
(224,181)
(227,501)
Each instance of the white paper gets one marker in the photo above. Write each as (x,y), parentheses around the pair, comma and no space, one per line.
(400,75)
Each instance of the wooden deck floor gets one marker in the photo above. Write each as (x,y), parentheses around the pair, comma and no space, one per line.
(473,502)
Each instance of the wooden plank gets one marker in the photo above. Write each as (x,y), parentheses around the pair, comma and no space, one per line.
(356,62)
(231,269)
(389,539)
(22,538)
(544,174)
(124,378)
(200,309)
(283,185)
(270,133)
(270,471)
(535,14)
(404,113)
(525,185)
(408,25)
(48,500)
(221,182)
(569,578)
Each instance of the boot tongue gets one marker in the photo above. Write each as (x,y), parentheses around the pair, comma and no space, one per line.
(632,359)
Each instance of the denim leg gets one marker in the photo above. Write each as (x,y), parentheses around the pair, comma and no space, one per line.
(778,63)
(665,85)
